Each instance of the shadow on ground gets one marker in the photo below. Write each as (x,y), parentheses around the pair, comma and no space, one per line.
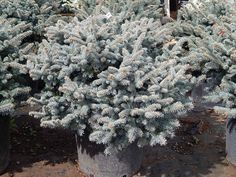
(33,148)
(197,150)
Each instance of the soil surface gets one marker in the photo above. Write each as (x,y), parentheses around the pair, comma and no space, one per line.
(198,150)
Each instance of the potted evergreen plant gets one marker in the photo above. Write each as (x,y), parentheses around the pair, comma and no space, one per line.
(119,83)
(217,19)
(21,27)
(11,91)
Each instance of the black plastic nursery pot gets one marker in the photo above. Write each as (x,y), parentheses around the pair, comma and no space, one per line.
(4,143)
(231,140)
(93,161)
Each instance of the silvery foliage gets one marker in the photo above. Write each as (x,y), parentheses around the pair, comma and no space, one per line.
(12,33)
(126,9)
(40,13)
(22,25)
(218,19)
(33,14)
(122,80)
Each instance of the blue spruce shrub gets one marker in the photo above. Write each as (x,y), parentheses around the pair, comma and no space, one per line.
(126,9)
(218,20)
(28,19)
(39,13)
(22,24)
(12,92)
(123,81)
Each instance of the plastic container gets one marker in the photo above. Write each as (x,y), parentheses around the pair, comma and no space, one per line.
(4,143)
(93,161)
(231,141)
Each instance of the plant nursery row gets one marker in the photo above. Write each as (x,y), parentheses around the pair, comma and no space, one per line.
(119,74)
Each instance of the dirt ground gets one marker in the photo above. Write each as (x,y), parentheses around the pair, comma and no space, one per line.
(196,151)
